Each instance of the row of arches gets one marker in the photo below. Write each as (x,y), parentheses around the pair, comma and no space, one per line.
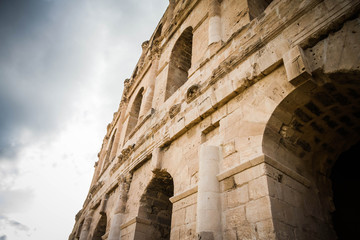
(320,141)
(311,131)
(179,65)
(156,207)
(155,213)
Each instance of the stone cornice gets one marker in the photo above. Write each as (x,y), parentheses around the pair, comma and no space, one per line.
(183,194)
(267,160)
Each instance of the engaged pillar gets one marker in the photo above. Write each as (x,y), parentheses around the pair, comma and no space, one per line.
(124,184)
(144,47)
(214,22)
(149,92)
(86,226)
(208,198)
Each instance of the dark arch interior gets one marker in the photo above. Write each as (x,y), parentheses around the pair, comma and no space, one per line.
(135,111)
(158,32)
(100,229)
(307,132)
(156,209)
(345,179)
(109,152)
(180,62)
(77,236)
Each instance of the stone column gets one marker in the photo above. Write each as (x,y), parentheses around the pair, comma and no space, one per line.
(208,220)
(144,47)
(124,185)
(171,10)
(96,172)
(86,226)
(169,14)
(123,107)
(146,104)
(120,128)
(104,204)
(214,21)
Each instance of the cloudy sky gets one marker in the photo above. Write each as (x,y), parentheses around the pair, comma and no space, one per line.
(62,67)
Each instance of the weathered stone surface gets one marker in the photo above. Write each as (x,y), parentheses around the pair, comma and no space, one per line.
(273,86)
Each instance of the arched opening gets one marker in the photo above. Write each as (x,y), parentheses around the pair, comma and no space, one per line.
(134,73)
(100,229)
(306,133)
(345,179)
(156,209)
(180,62)
(78,232)
(257,7)
(158,32)
(134,112)
(110,148)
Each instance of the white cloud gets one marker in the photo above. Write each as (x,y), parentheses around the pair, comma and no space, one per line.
(62,69)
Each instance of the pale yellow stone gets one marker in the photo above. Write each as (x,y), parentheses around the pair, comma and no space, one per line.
(260,81)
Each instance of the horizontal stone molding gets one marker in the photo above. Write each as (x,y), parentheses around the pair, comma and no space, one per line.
(112,188)
(135,220)
(343,8)
(184,194)
(138,126)
(241,167)
(128,223)
(105,236)
(291,173)
(267,160)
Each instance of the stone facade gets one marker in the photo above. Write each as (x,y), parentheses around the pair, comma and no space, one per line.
(231,126)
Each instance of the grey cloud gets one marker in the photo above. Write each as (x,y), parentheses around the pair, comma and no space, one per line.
(5,221)
(15,200)
(42,61)
(18,225)
(49,49)
(48,53)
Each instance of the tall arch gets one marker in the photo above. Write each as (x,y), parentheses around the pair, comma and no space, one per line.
(180,62)
(307,133)
(135,111)
(78,232)
(156,209)
(158,32)
(109,152)
(100,229)
(345,179)
(256,7)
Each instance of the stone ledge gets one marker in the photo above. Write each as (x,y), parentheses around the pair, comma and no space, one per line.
(135,220)
(296,66)
(184,194)
(335,14)
(105,236)
(267,160)
(142,121)
(241,167)
(291,173)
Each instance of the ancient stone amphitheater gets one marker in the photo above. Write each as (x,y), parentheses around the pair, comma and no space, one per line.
(241,120)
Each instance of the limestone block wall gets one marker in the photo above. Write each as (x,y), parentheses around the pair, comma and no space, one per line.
(245,145)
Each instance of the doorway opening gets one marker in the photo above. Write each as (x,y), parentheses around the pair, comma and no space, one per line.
(100,229)
(345,179)
(155,209)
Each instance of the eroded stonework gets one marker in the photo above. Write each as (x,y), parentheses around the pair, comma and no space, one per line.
(237,123)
